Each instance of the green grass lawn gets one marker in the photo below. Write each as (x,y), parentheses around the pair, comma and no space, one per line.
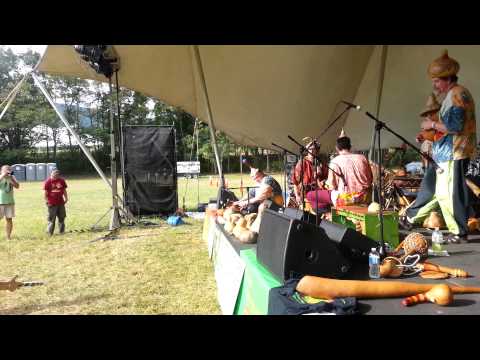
(147,270)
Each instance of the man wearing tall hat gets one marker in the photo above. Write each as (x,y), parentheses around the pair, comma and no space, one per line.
(452,151)
(306,176)
(427,137)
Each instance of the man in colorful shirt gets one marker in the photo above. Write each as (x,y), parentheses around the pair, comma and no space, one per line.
(56,196)
(349,174)
(452,151)
(7,202)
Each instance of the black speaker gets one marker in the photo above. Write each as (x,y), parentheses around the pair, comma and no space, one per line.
(290,247)
(354,244)
(299,214)
(150,170)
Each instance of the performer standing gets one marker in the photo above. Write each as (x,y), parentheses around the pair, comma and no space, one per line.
(427,187)
(452,151)
(427,137)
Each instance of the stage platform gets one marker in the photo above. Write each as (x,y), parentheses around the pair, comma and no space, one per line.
(464,256)
(244,284)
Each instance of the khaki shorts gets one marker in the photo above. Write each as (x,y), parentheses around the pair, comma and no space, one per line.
(7,211)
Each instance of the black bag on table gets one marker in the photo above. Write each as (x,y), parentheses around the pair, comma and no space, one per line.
(282,301)
(224,197)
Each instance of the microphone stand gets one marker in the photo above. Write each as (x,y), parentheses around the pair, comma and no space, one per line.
(315,167)
(285,151)
(336,119)
(303,150)
(248,191)
(379,125)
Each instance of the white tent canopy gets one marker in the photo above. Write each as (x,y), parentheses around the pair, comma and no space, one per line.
(258,94)
(261,94)
(406,87)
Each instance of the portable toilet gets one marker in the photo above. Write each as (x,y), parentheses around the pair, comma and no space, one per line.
(41,173)
(30,172)
(50,168)
(19,172)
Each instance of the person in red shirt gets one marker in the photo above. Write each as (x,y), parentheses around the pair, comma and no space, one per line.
(311,180)
(56,197)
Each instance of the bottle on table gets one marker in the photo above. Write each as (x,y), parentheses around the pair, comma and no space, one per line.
(374,264)
(437,240)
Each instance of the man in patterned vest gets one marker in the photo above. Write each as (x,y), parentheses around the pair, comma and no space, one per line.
(452,151)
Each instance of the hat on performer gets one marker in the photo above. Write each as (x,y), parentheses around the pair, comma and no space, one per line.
(254,172)
(307,141)
(432,106)
(342,134)
(443,66)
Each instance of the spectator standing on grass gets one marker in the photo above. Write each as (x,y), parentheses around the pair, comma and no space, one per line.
(7,202)
(56,197)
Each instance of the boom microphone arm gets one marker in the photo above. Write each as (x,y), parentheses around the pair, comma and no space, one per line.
(382,125)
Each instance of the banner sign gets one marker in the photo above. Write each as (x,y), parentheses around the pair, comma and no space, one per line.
(188,167)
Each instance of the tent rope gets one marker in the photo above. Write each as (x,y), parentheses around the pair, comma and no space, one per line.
(13,94)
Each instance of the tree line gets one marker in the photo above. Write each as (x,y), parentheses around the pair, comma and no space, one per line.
(31,131)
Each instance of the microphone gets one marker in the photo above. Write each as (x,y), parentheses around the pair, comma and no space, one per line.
(356,107)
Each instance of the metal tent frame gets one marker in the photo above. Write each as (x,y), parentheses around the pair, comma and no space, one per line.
(116,199)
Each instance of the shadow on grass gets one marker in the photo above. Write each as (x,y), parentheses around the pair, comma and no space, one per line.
(25,310)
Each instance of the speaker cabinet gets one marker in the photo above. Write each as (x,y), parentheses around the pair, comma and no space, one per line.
(299,214)
(150,170)
(289,247)
(354,244)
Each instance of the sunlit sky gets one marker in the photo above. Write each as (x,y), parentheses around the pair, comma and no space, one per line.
(24,48)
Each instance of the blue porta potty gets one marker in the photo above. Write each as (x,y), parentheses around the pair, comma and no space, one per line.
(41,173)
(50,168)
(19,172)
(30,172)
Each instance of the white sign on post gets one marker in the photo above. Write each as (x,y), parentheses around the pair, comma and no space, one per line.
(188,167)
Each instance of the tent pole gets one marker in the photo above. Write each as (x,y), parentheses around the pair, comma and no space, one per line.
(115,219)
(198,61)
(381,77)
(69,128)
(372,156)
(120,136)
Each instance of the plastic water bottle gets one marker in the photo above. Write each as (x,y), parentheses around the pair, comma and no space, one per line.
(437,240)
(374,264)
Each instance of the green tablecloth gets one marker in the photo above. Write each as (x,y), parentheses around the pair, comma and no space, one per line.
(257,281)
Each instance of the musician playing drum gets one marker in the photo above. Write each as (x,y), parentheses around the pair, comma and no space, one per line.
(312,180)
(349,179)
(268,189)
